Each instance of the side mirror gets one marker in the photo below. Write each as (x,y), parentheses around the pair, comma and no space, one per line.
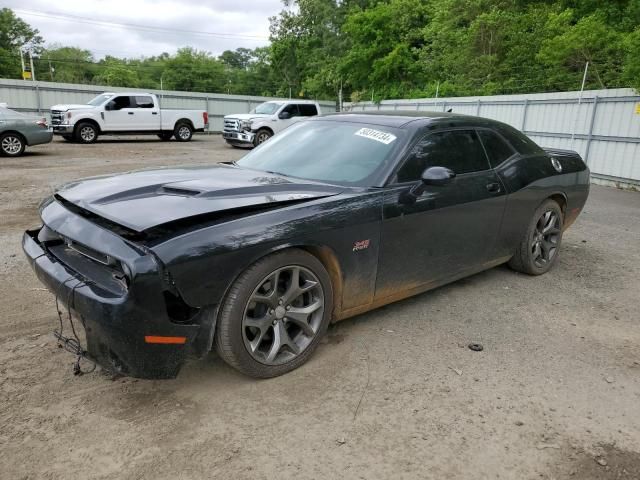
(432,176)
(284,116)
(437,176)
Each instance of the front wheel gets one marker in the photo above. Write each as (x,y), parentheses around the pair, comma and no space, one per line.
(275,314)
(11,145)
(86,133)
(262,136)
(538,249)
(183,132)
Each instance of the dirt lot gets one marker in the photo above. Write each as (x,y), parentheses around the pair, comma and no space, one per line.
(394,393)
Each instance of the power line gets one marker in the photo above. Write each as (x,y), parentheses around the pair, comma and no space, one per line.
(134,26)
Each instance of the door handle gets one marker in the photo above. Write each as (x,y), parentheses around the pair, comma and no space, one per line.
(130,113)
(154,113)
(493,187)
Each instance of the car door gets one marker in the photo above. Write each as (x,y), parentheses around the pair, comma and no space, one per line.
(147,114)
(449,229)
(119,114)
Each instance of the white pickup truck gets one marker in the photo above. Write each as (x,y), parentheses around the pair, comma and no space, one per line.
(125,113)
(265,121)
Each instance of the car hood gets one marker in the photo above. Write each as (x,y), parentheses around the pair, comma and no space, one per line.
(65,107)
(247,116)
(145,199)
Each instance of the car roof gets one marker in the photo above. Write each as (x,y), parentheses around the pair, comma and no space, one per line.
(401,118)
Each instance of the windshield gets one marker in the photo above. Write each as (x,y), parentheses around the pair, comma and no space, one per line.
(267,108)
(100,99)
(327,151)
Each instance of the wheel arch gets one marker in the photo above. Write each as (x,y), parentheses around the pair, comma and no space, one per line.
(184,120)
(561,199)
(18,134)
(86,120)
(264,127)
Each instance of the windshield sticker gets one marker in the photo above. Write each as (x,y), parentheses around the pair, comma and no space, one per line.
(377,135)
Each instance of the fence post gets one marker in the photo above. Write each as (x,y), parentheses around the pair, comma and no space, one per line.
(206,103)
(590,134)
(524,114)
(478,108)
(38,101)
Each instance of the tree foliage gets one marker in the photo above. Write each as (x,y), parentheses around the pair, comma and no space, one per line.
(379,49)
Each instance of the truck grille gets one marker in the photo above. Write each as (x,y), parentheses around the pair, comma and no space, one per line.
(56,117)
(231,125)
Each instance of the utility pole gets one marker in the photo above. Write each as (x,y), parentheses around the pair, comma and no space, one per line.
(51,70)
(340,97)
(33,72)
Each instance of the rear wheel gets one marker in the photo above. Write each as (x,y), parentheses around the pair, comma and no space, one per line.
(183,132)
(275,314)
(86,133)
(165,136)
(11,144)
(538,250)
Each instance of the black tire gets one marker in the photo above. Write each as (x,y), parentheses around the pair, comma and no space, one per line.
(165,136)
(12,144)
(68,138)
(232,333)
(538,250)
(183,132)
(86,132)
(262,136)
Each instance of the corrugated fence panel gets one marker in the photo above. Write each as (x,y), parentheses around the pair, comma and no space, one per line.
(602,125)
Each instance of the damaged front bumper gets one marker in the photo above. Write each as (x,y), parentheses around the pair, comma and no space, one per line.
(128,323)
(238,138)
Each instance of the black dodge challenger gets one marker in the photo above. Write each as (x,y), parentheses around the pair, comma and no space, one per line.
(333,217)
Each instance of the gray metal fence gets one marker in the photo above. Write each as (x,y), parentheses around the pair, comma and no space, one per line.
(38,97)
(602,125)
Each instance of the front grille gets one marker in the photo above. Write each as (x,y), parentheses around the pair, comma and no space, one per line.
(56,117)
(231,125)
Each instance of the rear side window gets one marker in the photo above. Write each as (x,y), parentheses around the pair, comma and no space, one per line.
(497,149)
(144,101)
(459,150)
(519,141)
(307,110)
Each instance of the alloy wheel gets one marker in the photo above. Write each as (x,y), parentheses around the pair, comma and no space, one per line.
(184,132)
(11,145)
(87,134)
(546,236)
(263,137)
(283,315)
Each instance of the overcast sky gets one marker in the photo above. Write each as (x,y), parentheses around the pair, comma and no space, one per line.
(246,23)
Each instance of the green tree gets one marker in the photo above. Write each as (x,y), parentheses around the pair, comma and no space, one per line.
(15,33)
(194,71)
(66,64)
(116,72)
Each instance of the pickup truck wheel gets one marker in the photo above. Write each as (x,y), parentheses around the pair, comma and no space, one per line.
(165,136)
(262,136)
(538,249)
(183,132)
(86,133)
(275,314)
(11,145)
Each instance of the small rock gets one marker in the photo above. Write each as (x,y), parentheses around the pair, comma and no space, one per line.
(542,446)
(341,441)
(459,372)
(601,461)
(43,344)
(519,423)
(390,331)
(178,405)
(34,336)
(608,379)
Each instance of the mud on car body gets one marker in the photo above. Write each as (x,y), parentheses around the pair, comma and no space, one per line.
(331,218)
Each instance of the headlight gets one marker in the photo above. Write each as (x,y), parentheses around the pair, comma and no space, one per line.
(245,125)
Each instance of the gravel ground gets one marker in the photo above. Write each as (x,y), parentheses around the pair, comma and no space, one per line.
(394,393)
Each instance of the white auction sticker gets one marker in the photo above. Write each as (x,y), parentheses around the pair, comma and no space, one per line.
(377,135)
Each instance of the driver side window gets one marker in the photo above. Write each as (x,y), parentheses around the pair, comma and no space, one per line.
(458,150)
(292,109)
(119,103)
